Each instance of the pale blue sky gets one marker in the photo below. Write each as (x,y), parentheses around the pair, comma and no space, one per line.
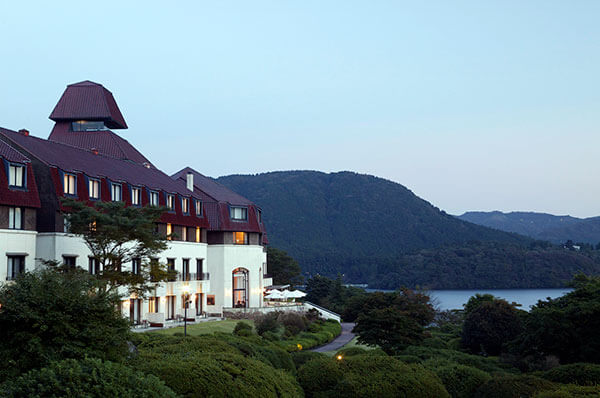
(473,105)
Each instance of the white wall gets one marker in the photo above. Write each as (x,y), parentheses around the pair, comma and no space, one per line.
(17,242)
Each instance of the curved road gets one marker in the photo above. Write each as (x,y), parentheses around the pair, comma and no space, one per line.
(340,341)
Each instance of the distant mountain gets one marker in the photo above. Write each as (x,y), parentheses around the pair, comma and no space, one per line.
(556,229)
(377,231)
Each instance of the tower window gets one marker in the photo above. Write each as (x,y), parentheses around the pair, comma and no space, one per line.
(84,125)
(15,218)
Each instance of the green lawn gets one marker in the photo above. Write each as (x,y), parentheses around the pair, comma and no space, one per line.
(204,327)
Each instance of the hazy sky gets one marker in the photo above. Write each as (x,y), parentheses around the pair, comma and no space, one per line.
(473,105)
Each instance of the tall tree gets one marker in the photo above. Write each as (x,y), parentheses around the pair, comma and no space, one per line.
(117,234)
(284,269)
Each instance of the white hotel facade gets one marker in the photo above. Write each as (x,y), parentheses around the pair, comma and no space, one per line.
(218,248)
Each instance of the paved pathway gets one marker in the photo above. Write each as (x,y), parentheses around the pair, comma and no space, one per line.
(340,341)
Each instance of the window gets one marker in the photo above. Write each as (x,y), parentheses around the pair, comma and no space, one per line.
(69,184)
(185,205)
(240,287)
(170,202)
(210,299)
(136,266)
(171,268)
(94,188)
(199,268)
(94,266)
(70,261)
(169,231)
(240,238)
(198,234)
(153,198)
(153,304)
(15,218)
(84,125)
(186,269)
(16,266)
(198,208)
(66,225)
(259,216)
(16,176)
(184,234)
(238,213)
(115,192)
(170,307)
(136,196)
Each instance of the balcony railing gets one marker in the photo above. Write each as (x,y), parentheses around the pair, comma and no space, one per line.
(265,276)
(193,276)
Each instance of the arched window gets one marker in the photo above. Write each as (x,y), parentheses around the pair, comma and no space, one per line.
(240,288)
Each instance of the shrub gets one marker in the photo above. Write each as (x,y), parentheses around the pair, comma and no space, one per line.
(486,364)
(585,374)
(193,374)
(461,381)
(408,358)
(368,376)
(89,378)
(571,391)
(242,329)
(302,357)
(267,323)
(350,352)
(293,323)
(434,342)
(513,386)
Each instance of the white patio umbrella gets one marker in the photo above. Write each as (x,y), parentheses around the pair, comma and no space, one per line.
(275,295)
(296,294)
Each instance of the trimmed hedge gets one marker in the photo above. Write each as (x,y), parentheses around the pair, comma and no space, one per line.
(571,391)
(88,378)
(512,386)
(584,374)
(328,330)
(302,357)
(368,376)
(489,365)
(461,381)
(350,352)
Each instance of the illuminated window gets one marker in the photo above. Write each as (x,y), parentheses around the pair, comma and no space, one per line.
(198,208)
(184,234)
(136,196)
(185,205)
(16,176)
(210,299)
(153,198)
(240,238)
(115,192)
(15,218)
(153,304)
(84,125)
(198,234)
(169,231)
(170,201)
(69,182)
(238,213)
(94,189)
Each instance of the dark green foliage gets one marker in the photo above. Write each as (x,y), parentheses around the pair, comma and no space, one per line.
(460,381)
(86,378)
(408,358)
(513,386)
(394,321)
(567,326)
(324,333)
(267,323)
(242,329)
(350,352)
(476,300)
(489,325)
(49,316)
(445,356)
(368,376)
(282,267)
(571,391)
(302,357)
(119,234)
(293,323)
(585,374)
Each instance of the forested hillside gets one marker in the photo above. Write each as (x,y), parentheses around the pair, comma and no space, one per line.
(371,229)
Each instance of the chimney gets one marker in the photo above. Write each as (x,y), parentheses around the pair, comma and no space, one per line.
(189,182)
(95,151)
(25,132)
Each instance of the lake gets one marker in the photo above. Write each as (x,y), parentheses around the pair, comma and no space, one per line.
(454,299)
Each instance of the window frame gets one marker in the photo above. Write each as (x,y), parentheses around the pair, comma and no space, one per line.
(232,213)
(94,266)
(198,206)
(67,177)
(246,238)
(167,197)
(10,266)
(185,209)
(136,265)
(12,165)
(135,189)
(113,185)
(151,195)
(90,191)
(65,257)
(12,217)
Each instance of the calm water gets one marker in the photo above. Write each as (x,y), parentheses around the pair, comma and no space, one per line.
(454,299)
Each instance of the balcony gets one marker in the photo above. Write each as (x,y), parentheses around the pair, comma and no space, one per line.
(193,276)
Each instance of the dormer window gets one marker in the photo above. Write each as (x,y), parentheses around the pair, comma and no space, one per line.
(16,176)
(259,216)
(198,208)
(136,196)
(85,125)
(94,188)
(238,213)
(170,202)
(115,192)
(153,198)
(70,184)
(185,205)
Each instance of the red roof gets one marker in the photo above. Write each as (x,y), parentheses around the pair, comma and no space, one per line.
(105,141)
(88,101)
(12,155)
(27,197)
(218,192)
